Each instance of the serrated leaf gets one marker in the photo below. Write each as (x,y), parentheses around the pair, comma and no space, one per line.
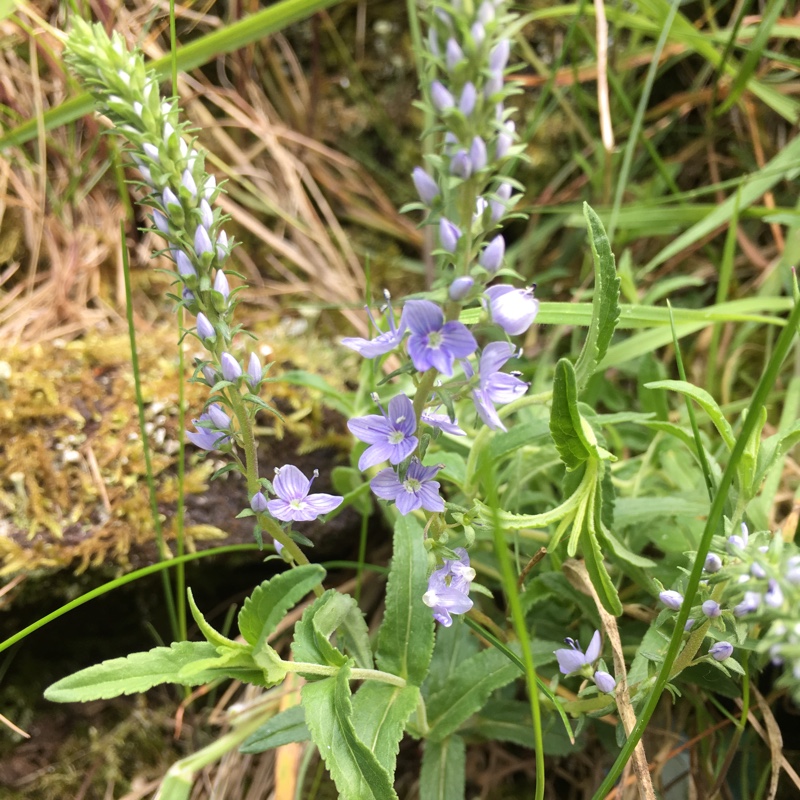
(355,769)
(454,645)
(137,672)
(705,401)
(284,728)
(317,624)
(272,665)
(605,303)
(566,426)
(443,770)
(405,639)
(212,636)
(380,713)
(354,638)
(270,601)
(466,691)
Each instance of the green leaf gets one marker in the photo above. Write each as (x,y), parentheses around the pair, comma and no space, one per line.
(317,624)
(137,672)
(380,713)
(405,639)
(566,426)
(593,557)
(212,636)
(270,601)
(774,448)
(355,769)
(466,690)
(605,303)
(333,397)
(354,638)
(284,728)
(454,645)
(705,401)
(443,770)
(620,551)
(346,482)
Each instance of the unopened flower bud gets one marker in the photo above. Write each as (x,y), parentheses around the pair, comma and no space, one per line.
(231,368)
(713,563)
(205,330)
(774,596)
(202,242)
(750,603)
(426,187)
(449,234)
(477,154)
(711,609)
(469,96)
(441,97)
(210,374)
(478,33)
(604,682)
(258,503)
(220,419)
(185,267)
(498,58)
(492,257)
(254,371)
(460,288)
(498,206)
(169,198)
(151,151)
(221,284)
(671,599)
(494,84)
(160,221)
(460,165)
(486,13)
(187,181)
(206,214)
(222,246)
(454,54)
(720,651)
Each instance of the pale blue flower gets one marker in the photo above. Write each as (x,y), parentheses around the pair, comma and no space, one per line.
(448,589)
(514,310)
(443,422)
(427,188)
(258,502)
(390,435)
(494,386)
(491,258)
(416,490)
(713,563)
(434,342)
(711,609)
(469,96)
(749,604)
(205,437)
(449,234)
(441,97)
(221,284)
(461,167)
(477,154)
(231,368)
(254,371)
(384,342)
(460,288)
(573,658)
(294,503)
(774,596)
(454,55)
(205,330)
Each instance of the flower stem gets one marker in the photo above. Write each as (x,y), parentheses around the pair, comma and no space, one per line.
(355,674)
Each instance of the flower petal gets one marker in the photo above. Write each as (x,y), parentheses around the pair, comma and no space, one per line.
(401,414)
(593,650)
(290,483)
(422,316)
(280,509)
(495,355)
(372,428)
(569,660)
(457,340)
(503,388)
(386,484)
(407,502)
(322,503)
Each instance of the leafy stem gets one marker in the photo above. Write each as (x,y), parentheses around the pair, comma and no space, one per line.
(356,674)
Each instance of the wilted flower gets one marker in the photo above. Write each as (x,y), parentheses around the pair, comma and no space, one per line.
(573,658)
(416,490)
(720,651)
(294,502)
(390,435)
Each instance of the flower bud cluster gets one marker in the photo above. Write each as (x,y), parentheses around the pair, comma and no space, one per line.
(752,589)
(180,195)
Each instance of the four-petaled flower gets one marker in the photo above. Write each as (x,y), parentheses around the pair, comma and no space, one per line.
(572,659)
(294,502)
(434,342)
(391,435)
(448,589)
(494,386)
(416,490)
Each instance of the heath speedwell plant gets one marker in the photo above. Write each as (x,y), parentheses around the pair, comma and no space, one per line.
(472,469)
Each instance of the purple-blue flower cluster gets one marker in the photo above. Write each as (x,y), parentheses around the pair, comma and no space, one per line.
(448,588)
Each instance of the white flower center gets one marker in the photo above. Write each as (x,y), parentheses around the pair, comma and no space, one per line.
(435,340)
(395,437)
(297,504)
(412,485)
